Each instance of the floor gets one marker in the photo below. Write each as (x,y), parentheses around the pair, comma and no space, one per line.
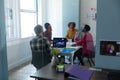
(24,71)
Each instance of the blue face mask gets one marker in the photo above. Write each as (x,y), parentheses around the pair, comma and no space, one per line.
(82,30)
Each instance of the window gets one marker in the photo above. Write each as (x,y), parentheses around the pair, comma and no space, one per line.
(11,28)
(21,17)
(28,21)
(27,17)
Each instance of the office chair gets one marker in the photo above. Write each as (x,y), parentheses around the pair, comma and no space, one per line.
(90,57)
(40,59)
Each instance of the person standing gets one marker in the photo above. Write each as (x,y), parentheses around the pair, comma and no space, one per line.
(48,32)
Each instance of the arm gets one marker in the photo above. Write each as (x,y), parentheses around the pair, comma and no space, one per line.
(81,41)
(48,46)
(67,34)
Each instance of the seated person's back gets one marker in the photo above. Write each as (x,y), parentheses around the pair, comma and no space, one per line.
(40,48)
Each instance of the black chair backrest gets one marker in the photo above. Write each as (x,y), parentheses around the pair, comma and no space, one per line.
(40,59)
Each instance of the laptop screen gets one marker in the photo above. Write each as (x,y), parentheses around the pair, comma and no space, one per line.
(59,42)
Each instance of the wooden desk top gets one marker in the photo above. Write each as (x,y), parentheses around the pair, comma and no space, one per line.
(48,73)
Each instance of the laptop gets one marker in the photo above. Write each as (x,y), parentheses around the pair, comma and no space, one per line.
(59,42)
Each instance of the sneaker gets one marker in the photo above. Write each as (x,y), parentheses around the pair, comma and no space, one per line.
(67,61)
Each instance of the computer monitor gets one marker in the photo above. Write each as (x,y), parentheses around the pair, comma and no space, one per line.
(110,48)
(59,42)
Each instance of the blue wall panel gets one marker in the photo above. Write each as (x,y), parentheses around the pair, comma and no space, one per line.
(70,13)
(108,28)
(3,53)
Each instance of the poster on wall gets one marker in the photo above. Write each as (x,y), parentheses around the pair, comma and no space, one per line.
(92,14)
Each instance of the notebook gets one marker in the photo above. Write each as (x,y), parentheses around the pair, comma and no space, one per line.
(79,72)
(67,50)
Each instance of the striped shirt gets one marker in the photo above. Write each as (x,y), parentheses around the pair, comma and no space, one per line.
(40,44)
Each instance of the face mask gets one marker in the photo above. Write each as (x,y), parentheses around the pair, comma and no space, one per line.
(82,30)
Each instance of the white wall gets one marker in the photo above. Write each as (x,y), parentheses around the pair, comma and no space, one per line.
(83,12)
(88,10)
(52,13)
(55,16)
(18,52)
(70,13)
(44,11)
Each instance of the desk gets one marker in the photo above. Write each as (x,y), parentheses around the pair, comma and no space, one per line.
(68,46)
(49,73)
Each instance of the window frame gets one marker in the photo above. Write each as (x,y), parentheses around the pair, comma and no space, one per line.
(15,6)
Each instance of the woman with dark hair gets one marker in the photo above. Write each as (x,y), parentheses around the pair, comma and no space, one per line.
(48,32)
(87,45)
(71,31)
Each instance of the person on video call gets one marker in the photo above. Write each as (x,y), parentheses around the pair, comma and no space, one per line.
(110,49)
(71,31)
(87,45)
(41,44)
(48,32)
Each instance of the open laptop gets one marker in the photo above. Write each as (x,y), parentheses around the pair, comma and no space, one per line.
(59,42)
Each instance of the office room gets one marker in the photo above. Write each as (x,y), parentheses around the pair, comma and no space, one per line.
(15,47)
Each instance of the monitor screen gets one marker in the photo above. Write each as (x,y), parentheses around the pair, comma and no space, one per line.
(110,48)
(59,42)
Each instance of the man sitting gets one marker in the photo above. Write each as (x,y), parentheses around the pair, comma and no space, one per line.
(40,47)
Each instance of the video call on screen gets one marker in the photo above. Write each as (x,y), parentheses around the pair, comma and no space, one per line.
(59,42)
(110,48)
